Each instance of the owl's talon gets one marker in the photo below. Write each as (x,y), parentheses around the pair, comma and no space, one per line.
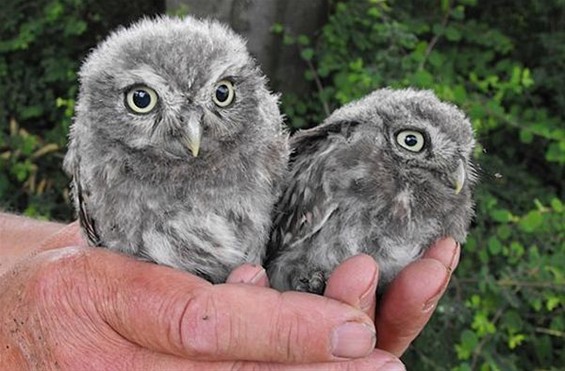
(314,283)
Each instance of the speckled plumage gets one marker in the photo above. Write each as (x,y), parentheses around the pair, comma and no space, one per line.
(191,183)
(355,189)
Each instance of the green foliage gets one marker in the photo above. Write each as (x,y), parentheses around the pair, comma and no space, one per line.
(502,63)
(41,46)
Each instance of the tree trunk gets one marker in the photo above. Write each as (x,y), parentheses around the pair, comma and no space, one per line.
(253,19)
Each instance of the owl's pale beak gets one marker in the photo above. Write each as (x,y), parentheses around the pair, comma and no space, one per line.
(193,135)
(458,177)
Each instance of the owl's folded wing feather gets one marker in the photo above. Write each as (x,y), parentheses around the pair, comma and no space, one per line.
(307,203)
(86,222)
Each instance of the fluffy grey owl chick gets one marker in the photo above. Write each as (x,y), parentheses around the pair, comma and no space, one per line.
(177,149)
(386,175)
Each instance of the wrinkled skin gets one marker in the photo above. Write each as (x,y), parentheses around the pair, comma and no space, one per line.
(78,307)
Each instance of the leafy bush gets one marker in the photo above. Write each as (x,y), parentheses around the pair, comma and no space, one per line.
(504,67)
(41,46)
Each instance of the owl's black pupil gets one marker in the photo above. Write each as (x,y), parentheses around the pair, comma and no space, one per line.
(222,93)
(411,140)
(141,98)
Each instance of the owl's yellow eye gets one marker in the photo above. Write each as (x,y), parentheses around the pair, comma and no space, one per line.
(411,140)
(141,99)
(224,93)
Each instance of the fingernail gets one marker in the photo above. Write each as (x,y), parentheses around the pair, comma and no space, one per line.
(366,300)
(431,303)
(353,340)
(455,258)
(394,366)
(260,275)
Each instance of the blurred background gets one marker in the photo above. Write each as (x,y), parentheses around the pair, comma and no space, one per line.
(502,62)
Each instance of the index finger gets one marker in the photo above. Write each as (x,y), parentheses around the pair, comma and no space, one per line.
(172,312)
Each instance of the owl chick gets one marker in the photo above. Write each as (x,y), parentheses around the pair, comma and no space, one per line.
(177,149)
(386,176)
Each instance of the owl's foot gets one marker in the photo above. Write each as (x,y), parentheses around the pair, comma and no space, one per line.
(314,282)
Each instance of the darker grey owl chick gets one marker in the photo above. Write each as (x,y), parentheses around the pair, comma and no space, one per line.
(386,175)
(177,149)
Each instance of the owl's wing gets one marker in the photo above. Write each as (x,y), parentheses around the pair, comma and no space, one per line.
(307,202)
(86,221)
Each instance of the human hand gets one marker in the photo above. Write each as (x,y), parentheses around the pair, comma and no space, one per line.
(410,299)
(408,303)
(81,307)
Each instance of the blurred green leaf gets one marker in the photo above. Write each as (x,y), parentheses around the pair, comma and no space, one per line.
(452,34)
(501,215)
(557,205)
(467,344)
(307,54)
(494,245)
(277,28)
(531,221)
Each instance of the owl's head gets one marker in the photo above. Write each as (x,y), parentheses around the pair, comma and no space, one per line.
(175,88)
(408,145)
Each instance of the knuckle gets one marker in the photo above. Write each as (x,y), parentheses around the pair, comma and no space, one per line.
(288,333)
(58,284)
(46,310)
(55,272)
